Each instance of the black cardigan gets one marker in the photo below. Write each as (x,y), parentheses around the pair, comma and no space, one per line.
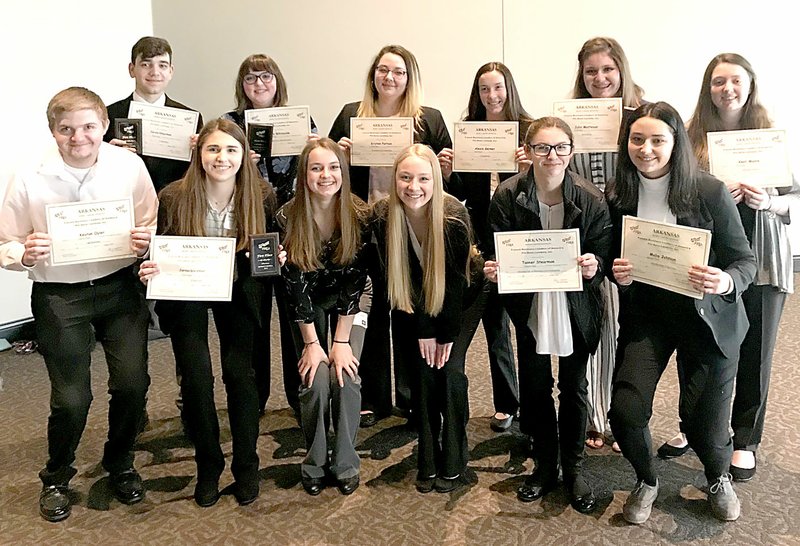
(515,207)
(431,131)
(445,326)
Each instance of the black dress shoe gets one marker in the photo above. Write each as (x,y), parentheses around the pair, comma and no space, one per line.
(127,486)
(501,425)
(206,493)
(743,474)
(581,496)
(246,492)
(537,485)
(446,485)
(368,420)
(313,486)
(54,503)
(668,451)
(348,485)
(425,484)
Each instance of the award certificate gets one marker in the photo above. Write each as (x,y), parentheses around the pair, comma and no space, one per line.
(166,132)
(192,268)
(291,126)
(595,123)
(485,146)
(758,157)
(538,261)
(91,231)
(377,141)
(662,254)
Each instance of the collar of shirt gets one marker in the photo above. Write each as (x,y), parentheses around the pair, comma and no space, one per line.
(160,101)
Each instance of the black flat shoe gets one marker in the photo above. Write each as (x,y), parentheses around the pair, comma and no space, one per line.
(537,485)
(581,496)
(425,484)
(668,451)
(245,492)
(446,485)
(743,474)
(206,493)
(313,486)
(127,486)
(54,503)
(368,420)
(501,425)
(348,485)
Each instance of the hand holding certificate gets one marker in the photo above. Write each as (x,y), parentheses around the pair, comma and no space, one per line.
(662,254)
(291,126)
(595,123)
(192,268)
(485,146)
(166,132)
(538,261)
(757,157)
(93,231)
(377,141)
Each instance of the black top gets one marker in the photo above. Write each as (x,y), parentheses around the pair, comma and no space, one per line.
(445,326)
(279,171)
(162,171)
(730,251)
(515,207)
(332,286)
(431,131)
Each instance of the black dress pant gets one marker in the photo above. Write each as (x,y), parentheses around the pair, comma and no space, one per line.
(764,306)
(69,317)
(440,396)
(538,418)
(706,379)
(503,369)
(189,335)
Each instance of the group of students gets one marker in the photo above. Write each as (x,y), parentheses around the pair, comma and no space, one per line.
(406,254)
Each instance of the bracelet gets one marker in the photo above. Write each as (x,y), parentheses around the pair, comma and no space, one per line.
(311,342)
(337,341)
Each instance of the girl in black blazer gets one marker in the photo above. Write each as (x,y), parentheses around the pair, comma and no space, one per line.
(221,195)
(393,87)
(425,246)
(657,179)
(566,324)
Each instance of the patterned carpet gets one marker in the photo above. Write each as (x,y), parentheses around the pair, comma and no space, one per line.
(386,509)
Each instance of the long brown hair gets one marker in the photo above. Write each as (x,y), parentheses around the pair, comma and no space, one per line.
(256,63)
(303,240)
(188,197)
(630,92)
(512,109)
(706,117)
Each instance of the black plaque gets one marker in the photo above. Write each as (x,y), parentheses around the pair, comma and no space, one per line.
(264,255)
(129,130)
(259,136)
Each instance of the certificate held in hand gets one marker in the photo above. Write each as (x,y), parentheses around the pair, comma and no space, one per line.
(538,261)
(377,141)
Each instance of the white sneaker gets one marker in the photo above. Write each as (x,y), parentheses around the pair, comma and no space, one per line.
(639,504)
(723,500)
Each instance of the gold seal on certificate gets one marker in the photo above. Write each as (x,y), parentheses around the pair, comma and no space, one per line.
(291,126)
(91,231)
(595,123)
(758,157)
(192,268)
(538,261)
(662,254)
(489,146)
(166,132)
(377,141)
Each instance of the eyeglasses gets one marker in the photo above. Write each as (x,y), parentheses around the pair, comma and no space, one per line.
(265,77)
(543,150)
(396,72)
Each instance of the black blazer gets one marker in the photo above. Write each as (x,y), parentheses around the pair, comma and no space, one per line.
(730,251)
(162,171)
(445,326)
(514,207)
(431,131)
